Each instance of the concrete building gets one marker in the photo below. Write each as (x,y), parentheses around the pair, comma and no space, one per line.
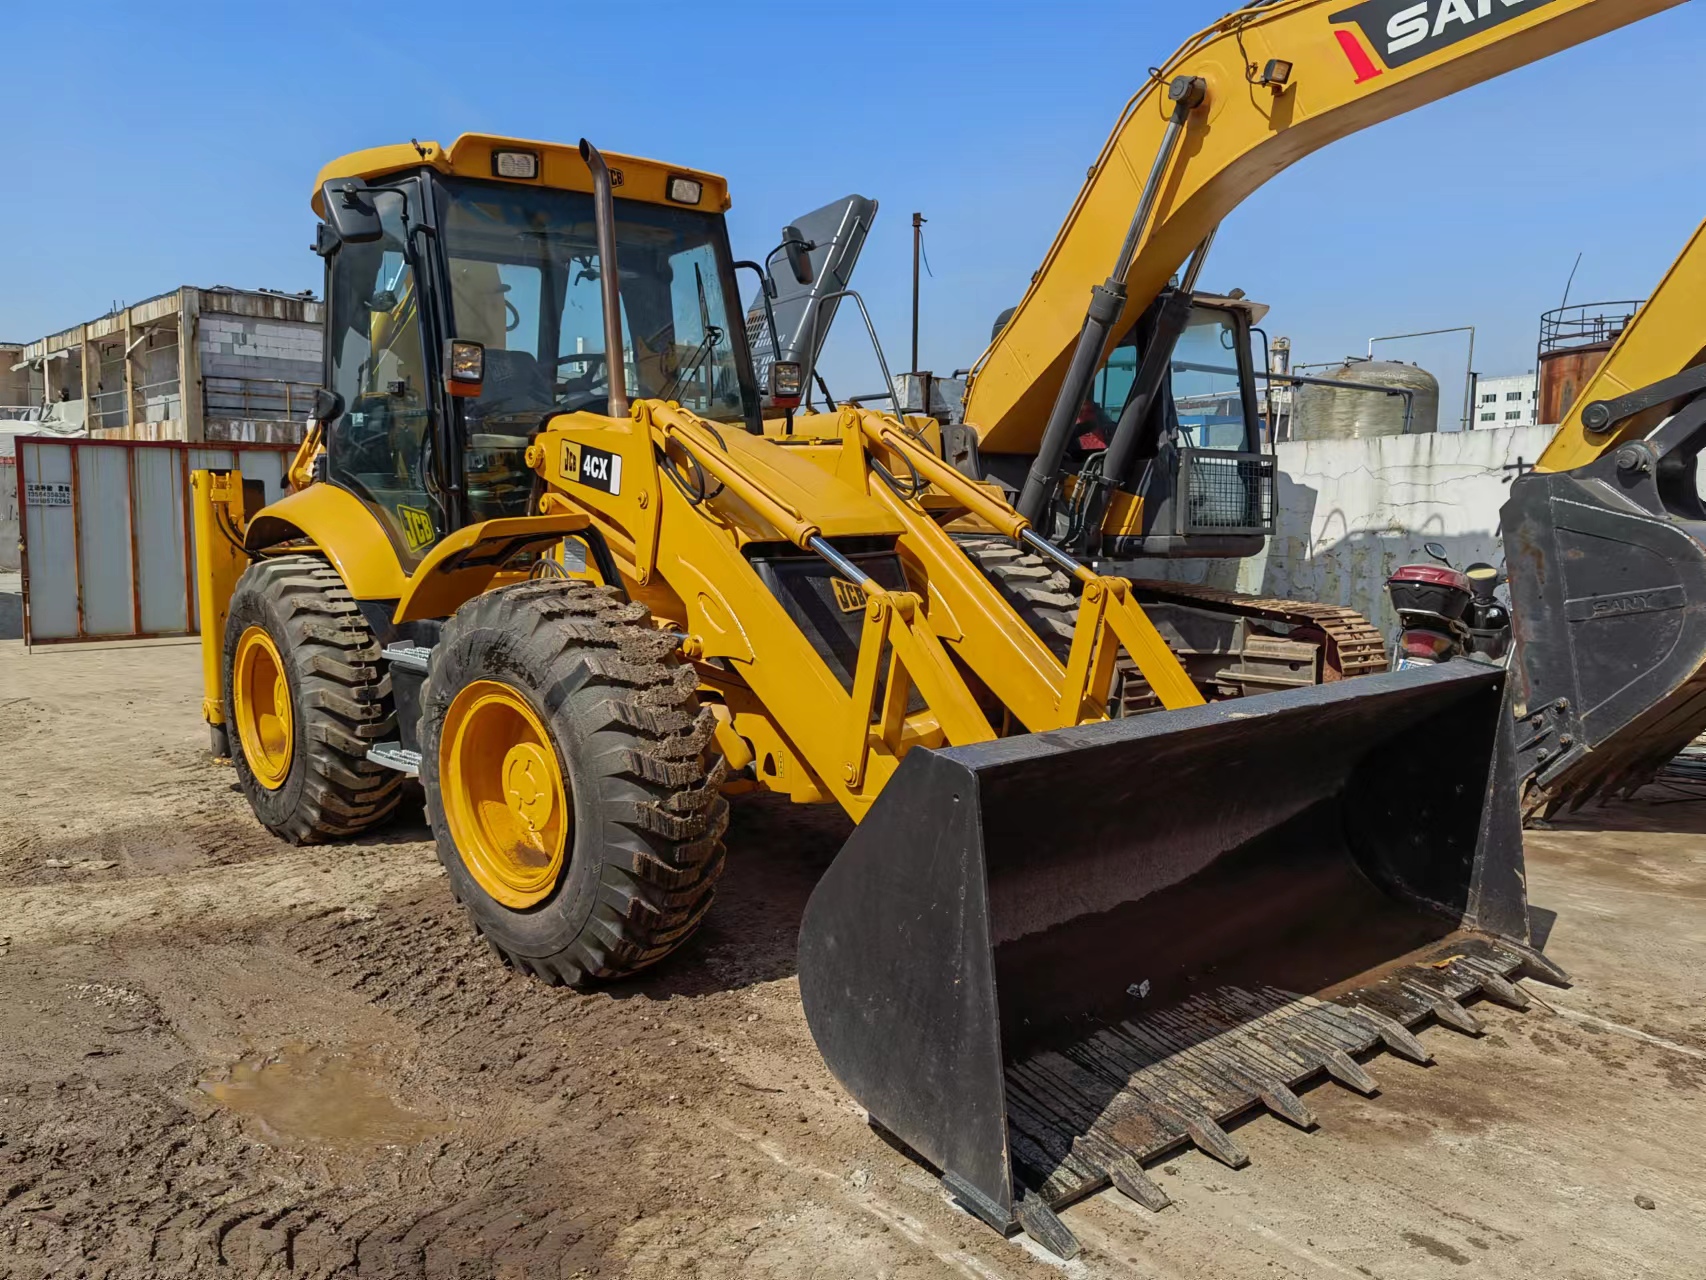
(20,384)
(195,365)
(1511,401)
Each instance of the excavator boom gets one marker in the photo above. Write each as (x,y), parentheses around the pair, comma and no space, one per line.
(1282,81)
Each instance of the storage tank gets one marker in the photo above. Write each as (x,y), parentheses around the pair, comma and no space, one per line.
(1574,342)
(1350,412)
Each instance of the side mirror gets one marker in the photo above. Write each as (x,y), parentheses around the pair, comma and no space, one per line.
(351,211)
(328,406)
(1437,551)
(798,249)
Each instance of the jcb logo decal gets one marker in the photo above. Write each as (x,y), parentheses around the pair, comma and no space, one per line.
(1403,30)
(849,595)
(418,531)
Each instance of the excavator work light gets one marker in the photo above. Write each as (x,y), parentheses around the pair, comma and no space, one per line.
(1276,75)
(464,367)
(787,381)
(685,190)
(515,164)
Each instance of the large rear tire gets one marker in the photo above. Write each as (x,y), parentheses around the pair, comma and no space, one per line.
(305,696)
(570,780)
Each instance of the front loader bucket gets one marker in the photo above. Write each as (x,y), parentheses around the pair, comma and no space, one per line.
(1609,598)
(1043,960)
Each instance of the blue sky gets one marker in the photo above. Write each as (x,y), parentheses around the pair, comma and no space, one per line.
(152,146)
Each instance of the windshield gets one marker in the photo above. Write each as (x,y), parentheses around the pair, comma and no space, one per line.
(1205,383)
(524,280)
(1207,389)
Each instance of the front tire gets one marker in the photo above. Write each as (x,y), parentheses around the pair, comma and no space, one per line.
(305,697)
(570,780)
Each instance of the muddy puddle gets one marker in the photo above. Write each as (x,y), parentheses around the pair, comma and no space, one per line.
(311,1095)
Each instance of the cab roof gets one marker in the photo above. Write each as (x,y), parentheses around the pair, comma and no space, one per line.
(560,167)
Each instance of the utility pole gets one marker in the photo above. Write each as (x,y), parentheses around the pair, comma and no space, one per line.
(918,221)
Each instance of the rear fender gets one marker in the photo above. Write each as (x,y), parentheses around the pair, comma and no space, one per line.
(343,529)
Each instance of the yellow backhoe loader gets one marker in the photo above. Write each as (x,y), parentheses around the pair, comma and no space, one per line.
(544,553)
(1606,547)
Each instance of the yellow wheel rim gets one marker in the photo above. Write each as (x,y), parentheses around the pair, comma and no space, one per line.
(503,794)
(260,697)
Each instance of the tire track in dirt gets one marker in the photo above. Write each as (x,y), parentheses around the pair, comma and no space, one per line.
(133,1184)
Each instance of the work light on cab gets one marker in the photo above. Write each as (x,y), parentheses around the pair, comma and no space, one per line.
(464,367)
(685,190)
(515,164)
(787,383)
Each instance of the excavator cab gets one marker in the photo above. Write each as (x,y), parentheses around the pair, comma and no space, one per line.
(1204,484)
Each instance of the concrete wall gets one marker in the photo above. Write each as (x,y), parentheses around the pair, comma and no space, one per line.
(244,347)
(1352,511)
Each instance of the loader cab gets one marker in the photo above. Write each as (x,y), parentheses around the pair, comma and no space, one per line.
(493,242)
(1205,487)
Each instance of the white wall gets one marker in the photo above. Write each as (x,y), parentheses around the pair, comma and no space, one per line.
(1352,511)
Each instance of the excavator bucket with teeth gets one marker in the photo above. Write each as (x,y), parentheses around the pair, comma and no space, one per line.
(1043,961)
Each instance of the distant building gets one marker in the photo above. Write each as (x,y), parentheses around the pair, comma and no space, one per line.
(1512,401)
(193,364)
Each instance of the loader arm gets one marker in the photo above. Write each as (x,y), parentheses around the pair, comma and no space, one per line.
(1346,66)
(1606,547)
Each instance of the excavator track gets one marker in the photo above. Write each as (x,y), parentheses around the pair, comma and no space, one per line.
(1352,645)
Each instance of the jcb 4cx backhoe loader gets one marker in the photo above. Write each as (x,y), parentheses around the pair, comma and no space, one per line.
(544,553)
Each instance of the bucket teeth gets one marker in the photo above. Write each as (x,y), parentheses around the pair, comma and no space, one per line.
(1287,1105)
(1044,1226)
(1347,1071)
(1536,966)
(1393,1034)
(1448,1011)
(1503,992)
(1132,1182)
(1216,1142)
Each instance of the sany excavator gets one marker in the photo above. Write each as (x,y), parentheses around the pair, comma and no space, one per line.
(545,554)
(1606,547)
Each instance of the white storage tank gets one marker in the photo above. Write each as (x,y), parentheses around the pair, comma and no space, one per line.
(1351,413)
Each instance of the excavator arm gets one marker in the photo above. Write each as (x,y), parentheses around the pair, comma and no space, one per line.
(1606,544)
(1666,339)
(1237,104)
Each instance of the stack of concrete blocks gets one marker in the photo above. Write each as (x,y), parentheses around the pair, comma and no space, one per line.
(247,363)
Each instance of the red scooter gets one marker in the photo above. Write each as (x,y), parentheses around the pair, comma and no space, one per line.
(1445,614)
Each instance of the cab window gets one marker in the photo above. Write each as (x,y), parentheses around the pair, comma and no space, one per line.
(1207,399)
(381,449)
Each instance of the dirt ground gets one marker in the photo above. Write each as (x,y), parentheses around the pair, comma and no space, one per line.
(220,1055)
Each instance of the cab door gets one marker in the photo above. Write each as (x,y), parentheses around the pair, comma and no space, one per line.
(385,447)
